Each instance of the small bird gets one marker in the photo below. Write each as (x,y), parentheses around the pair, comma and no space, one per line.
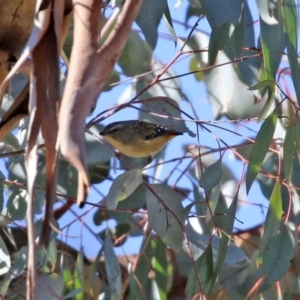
(138,138)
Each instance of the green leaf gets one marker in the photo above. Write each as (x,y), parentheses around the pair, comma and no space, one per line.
(288,150)
(113,269)
(17,268)
(268,104)
(161,267)
(2,178)
(213,200)
(79,275)
(169,24)
(98,173)
(276,261)
(17,205)
(123,186)
(278,254)
(261,85)
(149,18)
(235,257)
(272,38)
(272,43)
(136,56)
(289,17)
(212,175)
(187,209)
(140,277)
(222,20)
(219,12)
(194,66)
(4,258)
(134,202)
(205,266)
(260,148)
(73,293)
(273,219)
(54,284)
(238,35)
(224,219)
(194,9)
(66,179)
(218,39)
(165,214)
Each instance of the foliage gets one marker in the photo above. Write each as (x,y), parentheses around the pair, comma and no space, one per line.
(185,208)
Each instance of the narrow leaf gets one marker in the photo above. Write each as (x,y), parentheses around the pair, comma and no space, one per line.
(212,175)
(225,220)
(268,104)
(224,217)
(79,275)
(271,38)
(113,269)
(205,267)
(218,39)
(260,148)
(169,24)
(261,85)
(290,27)
(288,150)
(123,186)
(161,267)
(273,219)
(2,178)
(73,293)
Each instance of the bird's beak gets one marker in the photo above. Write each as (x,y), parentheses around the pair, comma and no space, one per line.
(102,132)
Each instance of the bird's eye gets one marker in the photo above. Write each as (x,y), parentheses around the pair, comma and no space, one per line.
(115,130)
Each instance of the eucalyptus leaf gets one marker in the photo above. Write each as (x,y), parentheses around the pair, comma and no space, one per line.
(235,257)
(5,262)
(149,18)
(290,21)
(123,186)
(113,269)
(205,269)
(2,178)
(165,213)
(212,175)
(289,150)
(17,205)
(278,254)
(260,148)
(261,85)
(273,220)
(136,56)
